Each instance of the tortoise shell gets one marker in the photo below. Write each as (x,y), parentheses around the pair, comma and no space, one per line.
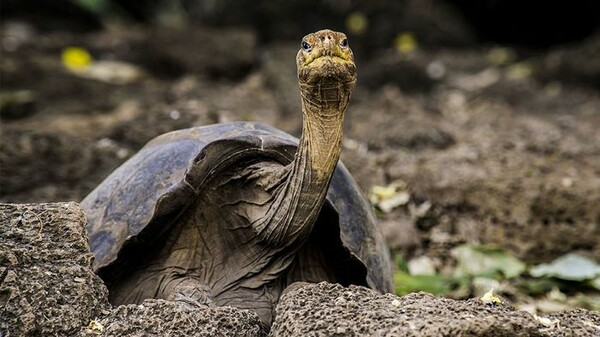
(141,199)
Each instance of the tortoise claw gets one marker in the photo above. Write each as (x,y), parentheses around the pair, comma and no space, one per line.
(192,294)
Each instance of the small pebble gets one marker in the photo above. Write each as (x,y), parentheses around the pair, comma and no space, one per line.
(175,114)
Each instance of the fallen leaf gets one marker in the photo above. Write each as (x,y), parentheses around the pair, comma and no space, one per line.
(406,42)
(76,59)
(490,298)
(421,265)
(96,327)
(571,267)
(486,261)
(357,23)
(547,322)
(387,198)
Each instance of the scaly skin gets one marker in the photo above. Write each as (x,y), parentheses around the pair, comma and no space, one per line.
(326,75)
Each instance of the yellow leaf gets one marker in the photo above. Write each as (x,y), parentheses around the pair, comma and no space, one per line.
(357,23)
(490,298)
(519,71)
(386,198)
(501,55)
(405,42)
(96,327)
(76,58)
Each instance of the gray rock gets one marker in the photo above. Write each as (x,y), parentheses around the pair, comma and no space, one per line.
(331,310)
(47,287)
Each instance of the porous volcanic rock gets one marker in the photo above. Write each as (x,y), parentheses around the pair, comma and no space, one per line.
(47,287)
(331,310)
(166,318)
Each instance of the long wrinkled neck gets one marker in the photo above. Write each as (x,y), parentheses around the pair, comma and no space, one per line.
(303,193)
(317,155)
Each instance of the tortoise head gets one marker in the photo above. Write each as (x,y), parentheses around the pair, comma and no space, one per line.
(325,61)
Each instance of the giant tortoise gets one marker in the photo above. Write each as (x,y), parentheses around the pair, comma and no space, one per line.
(232,214)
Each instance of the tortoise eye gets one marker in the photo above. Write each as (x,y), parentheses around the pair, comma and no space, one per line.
(344,43)
(306,46)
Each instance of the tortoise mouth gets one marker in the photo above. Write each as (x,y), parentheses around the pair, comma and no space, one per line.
(323,59)
(326,57)
(327,69)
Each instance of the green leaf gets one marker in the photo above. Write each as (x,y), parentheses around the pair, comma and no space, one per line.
(433,284)
(401,263)
(486,261)
(595,283)
(536,287)
(571,267)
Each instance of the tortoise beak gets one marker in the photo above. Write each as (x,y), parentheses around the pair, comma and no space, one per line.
(331,67)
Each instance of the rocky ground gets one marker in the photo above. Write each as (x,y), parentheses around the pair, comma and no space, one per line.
(49,289)
(489,145)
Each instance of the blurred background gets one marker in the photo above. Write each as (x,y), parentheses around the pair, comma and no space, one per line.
(474,129)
